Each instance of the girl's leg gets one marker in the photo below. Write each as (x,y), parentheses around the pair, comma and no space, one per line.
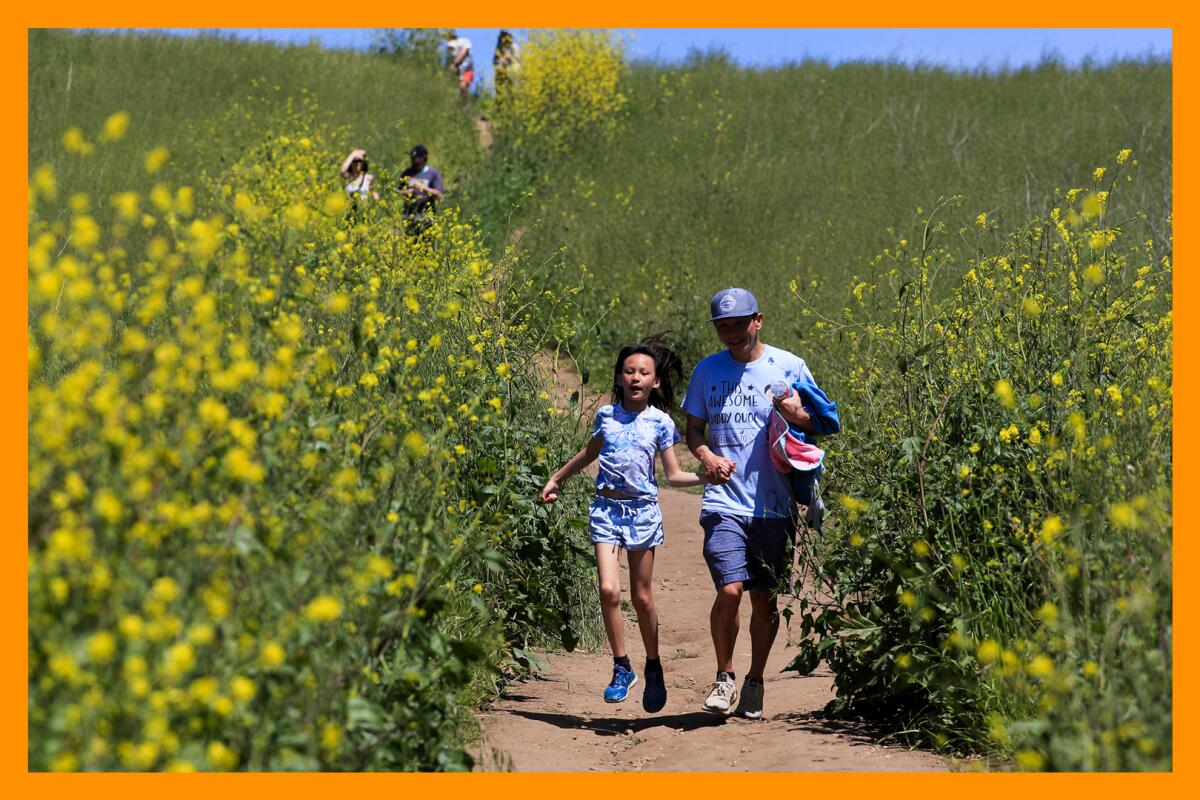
(610,596)
(641,581)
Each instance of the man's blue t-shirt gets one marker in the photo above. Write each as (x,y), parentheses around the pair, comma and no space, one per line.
(730,397)
(630,443)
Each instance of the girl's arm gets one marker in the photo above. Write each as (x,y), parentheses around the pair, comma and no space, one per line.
(577,462)
(675,475)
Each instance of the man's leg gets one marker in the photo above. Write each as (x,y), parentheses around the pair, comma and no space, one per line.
(724,623)
(764,626)
(725,554)
(770,560)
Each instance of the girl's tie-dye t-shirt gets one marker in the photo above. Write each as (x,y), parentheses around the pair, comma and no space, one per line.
(630,444)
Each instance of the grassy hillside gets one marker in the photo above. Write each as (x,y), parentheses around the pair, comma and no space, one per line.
(719,176)
(283,459)
(978,269)
(180,91)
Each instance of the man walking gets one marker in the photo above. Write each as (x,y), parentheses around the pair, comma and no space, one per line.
(422,187)
(748,511)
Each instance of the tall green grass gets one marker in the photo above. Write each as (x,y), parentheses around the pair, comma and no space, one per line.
(177,91)
(808,183)
(284,459)
(721,176)
(977,266)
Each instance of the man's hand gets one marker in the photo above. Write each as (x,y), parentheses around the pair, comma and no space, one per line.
(718,470)
(793,411)
(550,491)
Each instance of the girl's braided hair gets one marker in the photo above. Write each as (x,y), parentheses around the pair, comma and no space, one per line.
(668,367)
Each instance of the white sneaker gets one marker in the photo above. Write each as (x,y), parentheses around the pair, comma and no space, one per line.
(721,697)
(752,699)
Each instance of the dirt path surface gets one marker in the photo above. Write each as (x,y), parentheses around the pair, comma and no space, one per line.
(484,128)
(560,722)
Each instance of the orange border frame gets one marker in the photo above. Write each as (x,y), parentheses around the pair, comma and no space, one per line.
(555,13)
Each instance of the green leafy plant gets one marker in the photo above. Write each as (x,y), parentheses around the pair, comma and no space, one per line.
(999,575)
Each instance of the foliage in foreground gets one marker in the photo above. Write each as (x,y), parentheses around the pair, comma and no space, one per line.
(280,473)
(1000,577)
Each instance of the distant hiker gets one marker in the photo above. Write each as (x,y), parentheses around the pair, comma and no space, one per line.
(422,187)
(506,60)
(357,178)
(462,62)
(625,514)
(748,510)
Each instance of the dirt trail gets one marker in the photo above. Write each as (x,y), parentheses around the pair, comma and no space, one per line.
(559,721)
(484,128)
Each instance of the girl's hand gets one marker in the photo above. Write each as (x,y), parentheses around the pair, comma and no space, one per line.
(550,491)
(717,470)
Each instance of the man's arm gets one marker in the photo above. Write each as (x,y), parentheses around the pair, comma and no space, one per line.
(716,469)
(791,409)
(437,187)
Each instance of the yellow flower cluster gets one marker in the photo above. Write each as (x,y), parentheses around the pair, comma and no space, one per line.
(1012,437)
(569,84)
(242,423)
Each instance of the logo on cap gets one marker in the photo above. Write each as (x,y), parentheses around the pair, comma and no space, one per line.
(727,303)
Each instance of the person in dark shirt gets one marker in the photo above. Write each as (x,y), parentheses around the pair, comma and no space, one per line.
(422,187)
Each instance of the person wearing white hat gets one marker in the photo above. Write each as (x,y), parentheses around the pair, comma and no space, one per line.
(462,62)
(748,511)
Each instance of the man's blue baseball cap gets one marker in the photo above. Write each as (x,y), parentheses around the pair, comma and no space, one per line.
(732,302)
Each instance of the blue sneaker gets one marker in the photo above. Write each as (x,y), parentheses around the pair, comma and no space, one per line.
(622,680)
(654,696)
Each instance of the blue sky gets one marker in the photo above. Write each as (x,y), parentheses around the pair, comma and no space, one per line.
(766,47)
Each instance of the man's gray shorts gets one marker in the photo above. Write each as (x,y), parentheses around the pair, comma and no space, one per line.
(753,550)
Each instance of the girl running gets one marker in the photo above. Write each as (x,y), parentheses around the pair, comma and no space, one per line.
(625,513)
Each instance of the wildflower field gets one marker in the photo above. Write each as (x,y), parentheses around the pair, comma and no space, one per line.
(717,174)
(978,268)
(1001,575)
(284,459)
(281,487)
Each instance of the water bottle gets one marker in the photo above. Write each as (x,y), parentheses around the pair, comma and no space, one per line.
(779,389)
